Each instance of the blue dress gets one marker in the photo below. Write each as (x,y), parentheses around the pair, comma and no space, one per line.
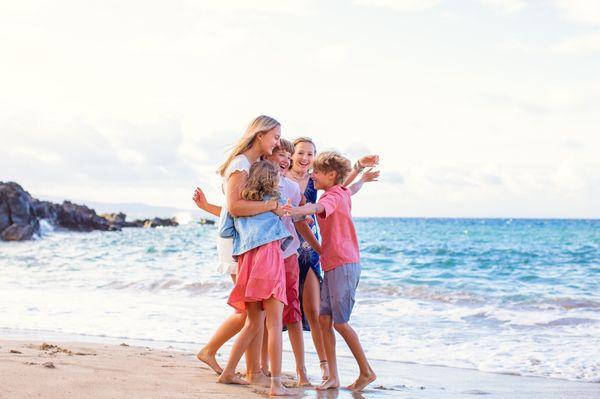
(308,258)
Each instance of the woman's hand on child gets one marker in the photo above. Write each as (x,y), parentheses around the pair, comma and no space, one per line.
(370,175)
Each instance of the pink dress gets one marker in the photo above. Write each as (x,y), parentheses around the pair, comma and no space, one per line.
(261,275)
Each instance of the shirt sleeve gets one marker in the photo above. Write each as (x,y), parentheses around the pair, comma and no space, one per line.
(238,164)
(330,201)
(296,198)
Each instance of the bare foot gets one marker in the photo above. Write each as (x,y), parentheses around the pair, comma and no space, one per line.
(259,379)
(330,383)
(324,370)
(277,388)
(362,381)
(303,380)
(231,379)
(209,359)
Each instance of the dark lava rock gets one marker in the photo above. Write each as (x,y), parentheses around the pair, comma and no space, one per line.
(80,218)
(18,220)
(156,222)
(20,214)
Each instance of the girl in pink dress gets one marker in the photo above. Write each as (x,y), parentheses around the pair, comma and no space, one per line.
(260,286)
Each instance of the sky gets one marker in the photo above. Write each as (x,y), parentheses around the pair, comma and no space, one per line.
(477,108)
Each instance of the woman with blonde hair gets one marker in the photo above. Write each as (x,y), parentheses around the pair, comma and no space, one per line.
(260,138)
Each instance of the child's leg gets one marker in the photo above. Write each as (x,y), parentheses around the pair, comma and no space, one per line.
(343,282)
(326,325)
(311,304)
(329,342)
(297,342)
(292,317)
(254,320)
(367,375)
(274,311)
(264,353)
(253,357)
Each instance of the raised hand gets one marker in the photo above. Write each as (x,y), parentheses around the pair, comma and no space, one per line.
(200,199)
(368,161)
(370,175)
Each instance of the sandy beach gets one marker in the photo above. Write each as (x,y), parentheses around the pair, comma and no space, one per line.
(76,370)
(53,369)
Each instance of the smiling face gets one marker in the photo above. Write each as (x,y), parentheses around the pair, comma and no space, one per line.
(323,180)
(269,140)
(303,157)
(281,159)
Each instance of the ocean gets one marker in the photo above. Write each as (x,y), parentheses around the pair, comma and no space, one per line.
(508,296)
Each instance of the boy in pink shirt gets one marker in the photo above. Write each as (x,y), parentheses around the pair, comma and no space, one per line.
(340,260)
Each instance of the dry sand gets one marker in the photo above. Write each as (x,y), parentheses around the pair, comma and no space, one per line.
(96,371)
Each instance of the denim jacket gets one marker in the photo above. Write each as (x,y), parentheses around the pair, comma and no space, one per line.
(249,232)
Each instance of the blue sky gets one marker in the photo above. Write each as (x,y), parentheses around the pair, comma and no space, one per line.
(477,108)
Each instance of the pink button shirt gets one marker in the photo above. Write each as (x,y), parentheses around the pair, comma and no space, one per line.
(339,241)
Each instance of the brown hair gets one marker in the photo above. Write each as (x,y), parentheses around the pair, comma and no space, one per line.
(258,127)
(332,160)
(285,145)
(263,180)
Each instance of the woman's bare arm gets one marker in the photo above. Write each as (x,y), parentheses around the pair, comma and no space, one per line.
(307,234)
(368,161)
(240,207)
(369,176)
(200,200)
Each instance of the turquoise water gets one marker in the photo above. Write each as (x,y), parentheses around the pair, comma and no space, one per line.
(510,296)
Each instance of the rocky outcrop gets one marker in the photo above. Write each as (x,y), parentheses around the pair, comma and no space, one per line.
(20,214)
(156,222)
(18,220)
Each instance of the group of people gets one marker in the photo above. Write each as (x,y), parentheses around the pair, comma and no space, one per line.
(291,257)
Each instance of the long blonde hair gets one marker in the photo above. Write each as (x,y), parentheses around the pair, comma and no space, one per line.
(263,180)
(259,126)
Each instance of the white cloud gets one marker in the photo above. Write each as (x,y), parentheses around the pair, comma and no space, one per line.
(138,102)
(580,11)
(505,6)
(331,56)
(588,43)
(401,5)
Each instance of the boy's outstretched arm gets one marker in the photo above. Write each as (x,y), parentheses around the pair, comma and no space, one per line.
(303,210)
